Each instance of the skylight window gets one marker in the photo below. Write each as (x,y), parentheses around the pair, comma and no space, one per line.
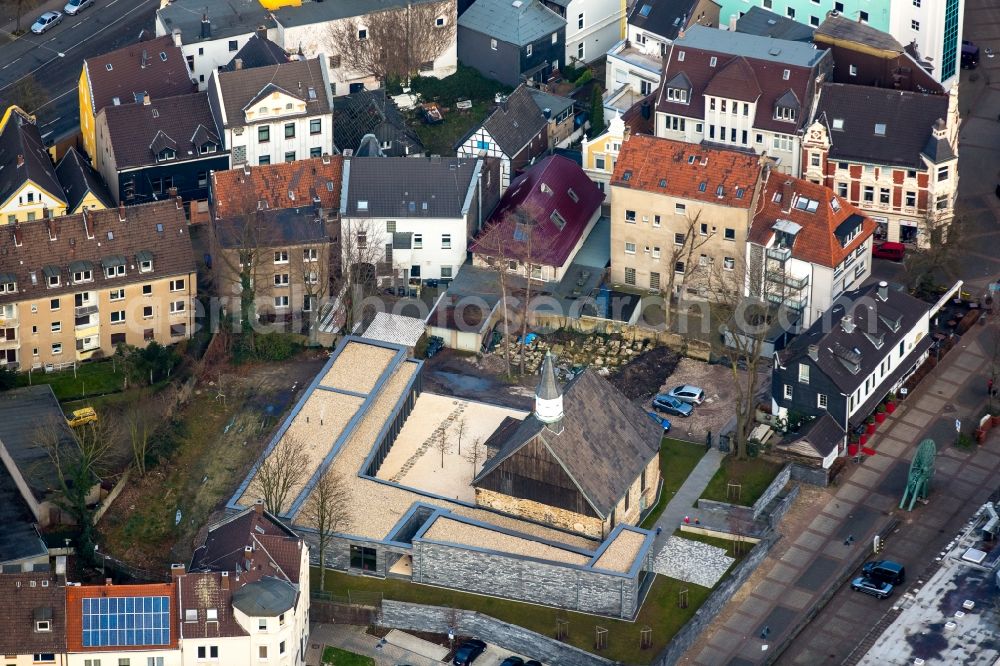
(702,186)
(644,11)
(692,159)
(879,129)
(740,192)
(835,205)
(627,176)
(838,123)
(163,56)
(663,182)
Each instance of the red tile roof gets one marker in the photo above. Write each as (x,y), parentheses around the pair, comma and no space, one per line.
(74,612)
(316,177)
(156,67)
(816,241)
(561,201)
(687,170)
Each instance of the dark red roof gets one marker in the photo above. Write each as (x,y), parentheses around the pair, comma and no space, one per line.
(558,197)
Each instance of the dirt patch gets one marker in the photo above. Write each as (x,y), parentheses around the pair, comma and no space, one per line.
(465,376)
(645,374)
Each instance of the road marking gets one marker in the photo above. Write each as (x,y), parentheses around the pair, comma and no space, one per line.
(9,64)
(111,3)
(60,96)
(51,121)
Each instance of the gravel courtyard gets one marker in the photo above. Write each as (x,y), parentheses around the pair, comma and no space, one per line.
(692,561)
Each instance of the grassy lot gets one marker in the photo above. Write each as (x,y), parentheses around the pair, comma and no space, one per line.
(677,459)
(754,476)
(338,657)
(660,611)
(93,378)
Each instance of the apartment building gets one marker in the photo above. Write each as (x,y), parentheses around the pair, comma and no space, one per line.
(681,208)
(34,619)
(80,285)
(592,26)
(740,91)
(29,186)
(891,153)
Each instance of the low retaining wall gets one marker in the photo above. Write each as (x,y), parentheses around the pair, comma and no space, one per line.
(437,619)
(690,632)
(751,513)
(740,513)
(814,476)
(783,506)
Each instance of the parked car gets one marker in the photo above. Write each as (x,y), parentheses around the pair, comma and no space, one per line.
(532,662)
(73,7)
(877,588)
(46,21)
(886,571)
(512,661)
(688,393)
(671,405)
(891,251)
(82,416)
(468,651)
(434,344)
(660,420)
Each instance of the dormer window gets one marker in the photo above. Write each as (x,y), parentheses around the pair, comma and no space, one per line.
(785,113)
(677,95)
(145,260)
(212,615)
(207,147)
(166,155)
(83,276)
(51,276)
(557,220)
(43,625)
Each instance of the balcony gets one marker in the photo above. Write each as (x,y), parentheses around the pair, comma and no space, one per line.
(86,354)
(787,279)
(791,302)
(781,254)
(6,343)
(85,310)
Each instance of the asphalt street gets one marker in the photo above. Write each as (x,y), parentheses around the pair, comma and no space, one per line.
(55,58)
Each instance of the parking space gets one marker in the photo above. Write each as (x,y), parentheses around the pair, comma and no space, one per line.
(495,655)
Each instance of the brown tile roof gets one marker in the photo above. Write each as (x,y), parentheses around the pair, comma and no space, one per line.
(636,122)
(687,170)
(26,249)
(27,596)
(165,73)
(274,549)
(240,88)
(816,242)
(316,177)
(201,592)
(74,611)
(137,132)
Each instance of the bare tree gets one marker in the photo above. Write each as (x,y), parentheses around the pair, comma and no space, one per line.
(279,473)
(315,278)
(683,253)
(460,427)
(475,454)
(442,445)
(28,94)
(139,425)
(940,256)
(327,510)
(494,245)
(394,43)
(366,261)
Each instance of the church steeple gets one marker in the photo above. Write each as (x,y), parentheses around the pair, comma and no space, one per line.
(548,395)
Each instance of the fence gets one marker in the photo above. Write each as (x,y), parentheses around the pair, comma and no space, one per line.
(115,492)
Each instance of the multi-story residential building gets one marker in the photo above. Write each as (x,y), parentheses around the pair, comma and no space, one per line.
(891,153)
(740,91)
(209,33)
(81,184)
(512,42)
(79,284)
(635,63)
(315,181)
(158,149)
(29,186)
(844,365)
(155,67)
(811,246)
(278,113)
(412,218)
(592,27)
(600,154)
(931,29)
(35,629)
(681,208)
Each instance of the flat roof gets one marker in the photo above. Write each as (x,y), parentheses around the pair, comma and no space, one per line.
(395,328)
(620,554)
(313,11)
(760,47)
(447,530)
(228,18)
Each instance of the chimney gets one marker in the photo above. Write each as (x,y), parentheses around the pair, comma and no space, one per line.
(645,108)
(121,212)
(238,63)
(145,99)
(225,580)
(176,571)
(258,506)
(732,22)
(176,34)
(171,191)
(627,133)
(847,323)
(247,557)
(20,161)
(787,194)
(180,202)
(261,32)
(206,27)
(108,581)
(883,291)
(814,352)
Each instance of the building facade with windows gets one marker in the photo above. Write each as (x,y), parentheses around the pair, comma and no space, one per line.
(891,153)
(81,284)
(277,113)
(592,27)
(681,208)
(740,91)
(29,186)
(35,632)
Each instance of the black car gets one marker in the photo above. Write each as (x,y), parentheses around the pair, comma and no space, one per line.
(532,662)
(886,571)
(512,661)
(468,651)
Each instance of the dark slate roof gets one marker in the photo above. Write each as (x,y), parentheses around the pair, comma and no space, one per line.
(274,227)
(267,597)
(372,112)
(315,12)
(138,131)
(520,22)
(240,88)
(548,389)
(665,18)
(602,466)
(823,435)
(161,73)
(761,22)
(19,539)
(20,137)
(229,18)
(407,186)
(24,595)
(937,149)
(78,178)
(24,412)
(27,250)
(908,118)
(839,27)
(515,122)
(556,104)
(259,51)
(841,352)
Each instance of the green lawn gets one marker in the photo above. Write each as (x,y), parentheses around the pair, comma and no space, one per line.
(660,611)
(338,657)
(94,378)
(677,459)
(753,475)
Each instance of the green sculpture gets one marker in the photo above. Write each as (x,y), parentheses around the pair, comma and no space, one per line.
(921,470)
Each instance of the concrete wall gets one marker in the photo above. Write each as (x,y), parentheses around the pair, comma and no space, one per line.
(418,617)
(783,507)
(772,491)
(814,476)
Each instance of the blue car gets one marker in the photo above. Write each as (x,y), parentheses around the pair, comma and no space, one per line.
(468,651)
(660,420)
(877,588)
(671,405)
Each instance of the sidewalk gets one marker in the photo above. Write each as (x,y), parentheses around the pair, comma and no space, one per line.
(683,501)
(354,639)
(815,555)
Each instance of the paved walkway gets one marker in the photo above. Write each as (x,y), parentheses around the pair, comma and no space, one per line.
(813,559)
(683,501)
(354,639)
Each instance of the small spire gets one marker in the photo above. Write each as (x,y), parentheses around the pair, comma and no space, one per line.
(548,388)
(548,396)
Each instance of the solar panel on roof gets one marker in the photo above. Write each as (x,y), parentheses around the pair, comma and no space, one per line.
(645,10)
(126,621)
